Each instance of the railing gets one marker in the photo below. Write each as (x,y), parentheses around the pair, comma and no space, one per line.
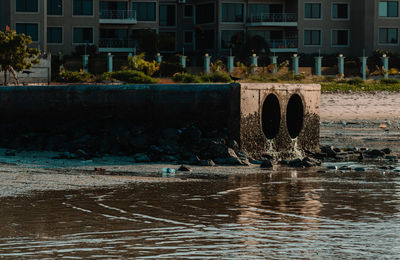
(272,18)
(283,44)
(118,14)
(115,43)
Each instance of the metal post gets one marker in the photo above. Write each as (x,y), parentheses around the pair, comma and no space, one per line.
(207,60)
(385,62)
(341,65)
(274,61)
(364,67)
(254,60)
(159,58)
(318,65)
(85,62)
(231,60)
(183,61)
(295,60)
(110,62)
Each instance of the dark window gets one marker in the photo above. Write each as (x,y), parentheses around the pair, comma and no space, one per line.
(54,35)
(340,11)
(31,29)
(340,37)
(205,39)
(188,37)
(312,37)
(26,6)
(188,11)
(231,39)
(54,7)
(82,35)
(389,9)
(145,11)
(83,7)
(205,13)
(388,35)
(167,15)
(312,11)
(232,13)
(167,41)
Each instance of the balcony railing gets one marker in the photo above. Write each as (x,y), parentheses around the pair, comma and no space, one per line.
(108,43)
(283,44)
(118,15)
(273,18)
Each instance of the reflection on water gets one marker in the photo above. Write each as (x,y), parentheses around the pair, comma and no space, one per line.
(285,214)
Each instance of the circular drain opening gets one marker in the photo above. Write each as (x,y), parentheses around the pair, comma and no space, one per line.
(294,115)
(271,116)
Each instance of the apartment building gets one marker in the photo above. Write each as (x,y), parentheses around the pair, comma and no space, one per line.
(288,26)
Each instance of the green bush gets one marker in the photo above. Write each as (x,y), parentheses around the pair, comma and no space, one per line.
(129,76)
(390,81)
(355,81)
(168,69)
(216,77)
(74,76)
(186,78)
(138,63)
(328,79)
(300,76)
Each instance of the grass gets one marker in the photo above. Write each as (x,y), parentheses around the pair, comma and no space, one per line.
(363,87)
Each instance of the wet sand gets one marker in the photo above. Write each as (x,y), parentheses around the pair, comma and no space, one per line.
(352,119)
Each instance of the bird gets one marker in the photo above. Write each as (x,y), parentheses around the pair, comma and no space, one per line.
(234,78)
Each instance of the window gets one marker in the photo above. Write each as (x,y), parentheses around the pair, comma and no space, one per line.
(167,15)
(113,6)
(145,11)
(82,35)
(188,37)
(312,11)
(188,11)
(83,7)
(231,38)
(205,13)
(340,37)
(27,6)
(54,35)
(54,7)
(31,29)
(312,37)
(167,41)
(389,9)
(260,9)
(205,39)
(232,13)
(340,11)
(388,36)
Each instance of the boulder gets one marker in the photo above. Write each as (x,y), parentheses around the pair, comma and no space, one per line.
(141,157)
(266,164)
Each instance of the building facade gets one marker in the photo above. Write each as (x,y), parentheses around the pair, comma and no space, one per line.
(287,26)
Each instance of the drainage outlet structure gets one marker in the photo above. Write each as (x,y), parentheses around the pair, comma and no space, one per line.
(275,119)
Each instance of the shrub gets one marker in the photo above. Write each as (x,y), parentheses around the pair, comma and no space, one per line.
(300,76)
(129,76)
(389,81)
(216,77)
(168,69)
(218,65)
(186,78)
(75,76)
(393,71)
(355,81)
(138,63)
(328,79)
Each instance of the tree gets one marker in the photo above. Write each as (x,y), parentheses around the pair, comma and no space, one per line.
(15,54)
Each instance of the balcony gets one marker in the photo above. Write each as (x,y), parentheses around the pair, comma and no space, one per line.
(117,17)
(272,19)
(116,45)
(283,45)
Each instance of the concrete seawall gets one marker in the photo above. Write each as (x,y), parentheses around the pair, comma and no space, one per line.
(260,118)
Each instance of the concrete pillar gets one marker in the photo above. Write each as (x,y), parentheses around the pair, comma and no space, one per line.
(254,60)
(110,62)
(341,65)
(159,58)
(385,63)
(130,54)
(183,61)
(364,67)
(295,64)
(207,60)
(231,61)
(274,61)
(318,65)
(85,59)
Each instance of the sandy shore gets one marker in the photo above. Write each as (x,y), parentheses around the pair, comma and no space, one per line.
(37,171)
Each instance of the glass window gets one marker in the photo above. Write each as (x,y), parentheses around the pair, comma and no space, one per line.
(27,6)
(232,13)
(31,29)
(205,13)
(231,38)
(145,11)
(389,9)
(167,41)
(188,37)
(83,35)
(340,37)
(312,37)
(167,15)
(340,11)
(83,7)
(312,11)
(54,7)
(54,35)
(388,35)
(188,11)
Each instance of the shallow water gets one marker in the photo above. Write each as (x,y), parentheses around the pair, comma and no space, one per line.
(285,214)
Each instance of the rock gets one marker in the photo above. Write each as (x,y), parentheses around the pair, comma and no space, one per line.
(233,144)
(194,160)
(184,168)
(328,150)
(242,155)
(229,161)
(168,158)
(337,150)
(284,162)
(296,163)
(140,142)
(359,169)
(391,158)
(375,153)
(66,155)
(266,164)
(170,134)
(141,157)
(155,152)
(207,163)
(191,135)
(10,153)
(81,154)
(255,161)
(345,168)
(386,150)
(311,162)
(332,167)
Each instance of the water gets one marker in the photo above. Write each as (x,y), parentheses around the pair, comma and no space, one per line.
(281,215)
